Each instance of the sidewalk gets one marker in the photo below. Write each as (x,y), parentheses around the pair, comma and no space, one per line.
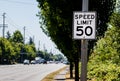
(61,75)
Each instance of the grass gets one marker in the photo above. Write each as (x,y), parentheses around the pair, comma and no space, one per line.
(51,76)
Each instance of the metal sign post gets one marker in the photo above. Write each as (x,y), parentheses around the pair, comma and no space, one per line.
(84,48)
(83,60)
(84,27)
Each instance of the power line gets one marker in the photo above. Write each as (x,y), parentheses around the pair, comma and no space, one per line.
(25,35)
(13,24)
(17,27)
(19,2)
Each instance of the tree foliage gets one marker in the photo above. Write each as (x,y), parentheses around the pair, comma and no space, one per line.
(30,41)
(17,37)
(57,21)
(57,15)
(6,50)
(104,63)
(8,36)
(13,50)
(31,51)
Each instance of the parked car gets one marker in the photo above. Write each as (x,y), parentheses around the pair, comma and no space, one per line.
(38,60)
(43,61)
(66,62)
(26,62)
(33,62)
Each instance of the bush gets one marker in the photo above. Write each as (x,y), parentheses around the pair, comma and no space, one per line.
(103,72)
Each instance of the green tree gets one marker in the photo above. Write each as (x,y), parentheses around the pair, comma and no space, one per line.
(30,41)
(104,63)
(40,54)
(8,36)
(30,49)
(30,52)
(59,57)
(17,49)
(7,51)
(17,42)
(17,37)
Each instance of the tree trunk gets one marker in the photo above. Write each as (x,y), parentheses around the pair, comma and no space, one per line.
(71,70)
(77,68)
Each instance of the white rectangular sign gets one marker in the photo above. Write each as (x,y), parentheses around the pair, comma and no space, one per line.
(84,25)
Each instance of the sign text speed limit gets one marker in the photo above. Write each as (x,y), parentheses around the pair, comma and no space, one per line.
(84,25)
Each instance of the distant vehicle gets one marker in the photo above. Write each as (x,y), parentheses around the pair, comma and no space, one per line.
(50,62)
(43,61)
(66,62)
(38,60)
(26,62)
(33,62)
(57,62)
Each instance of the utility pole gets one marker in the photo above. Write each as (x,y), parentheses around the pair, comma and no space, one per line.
(22,52)
(44,48)
(3,25)
(3,51)
(33,38)
(38,45)
(24,35)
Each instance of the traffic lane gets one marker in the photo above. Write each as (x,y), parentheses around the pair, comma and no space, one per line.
(27,72)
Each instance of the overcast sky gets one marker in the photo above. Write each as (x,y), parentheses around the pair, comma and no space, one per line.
(20,13)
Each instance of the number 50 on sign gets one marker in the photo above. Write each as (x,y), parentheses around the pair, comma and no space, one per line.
(84,25)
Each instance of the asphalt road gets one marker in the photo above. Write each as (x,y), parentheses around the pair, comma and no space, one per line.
(22,72)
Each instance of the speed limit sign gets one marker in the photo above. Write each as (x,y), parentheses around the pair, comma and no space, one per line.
(84,25)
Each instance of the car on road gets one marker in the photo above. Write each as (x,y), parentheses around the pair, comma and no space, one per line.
(33,62)
(26,62)
(66,62)
(43,61)
(38,60)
